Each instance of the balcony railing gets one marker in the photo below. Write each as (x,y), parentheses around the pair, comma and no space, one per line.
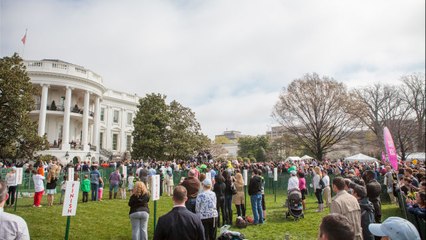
(56,66)
(61,109)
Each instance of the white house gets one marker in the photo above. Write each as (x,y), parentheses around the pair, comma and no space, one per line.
(82,119)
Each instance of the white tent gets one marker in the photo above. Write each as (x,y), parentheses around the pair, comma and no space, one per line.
(306,157)
(360,158)
(420,156)
(296,158)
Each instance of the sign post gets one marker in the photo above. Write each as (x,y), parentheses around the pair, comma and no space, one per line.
(245,176)
(70,174)
(155,187)
(18,180)
(275,182)
(70,203)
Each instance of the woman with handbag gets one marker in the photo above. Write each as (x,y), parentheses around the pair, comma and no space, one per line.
(238,199)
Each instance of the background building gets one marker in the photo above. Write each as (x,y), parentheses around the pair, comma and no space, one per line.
(81,118)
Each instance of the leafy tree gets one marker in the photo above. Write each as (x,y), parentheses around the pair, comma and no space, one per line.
(184,132)
(165,131)
(254,148)
(18,134)
(150,124)
(317,111)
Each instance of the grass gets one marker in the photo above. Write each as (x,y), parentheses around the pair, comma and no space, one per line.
(109,219)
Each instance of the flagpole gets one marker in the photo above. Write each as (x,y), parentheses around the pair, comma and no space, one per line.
(23,40)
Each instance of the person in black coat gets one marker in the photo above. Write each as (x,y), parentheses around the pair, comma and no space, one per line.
(179,223)
(219,189)
(374,190)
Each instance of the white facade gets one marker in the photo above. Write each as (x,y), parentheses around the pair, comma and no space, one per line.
(78,114)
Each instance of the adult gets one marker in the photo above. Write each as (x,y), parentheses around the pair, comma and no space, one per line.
(336,226)
(367,210)
(114,181)
(238,199)
(219,190)
(139,211)
(326,192)
(374,189)
(11,184)
(395,228)
(255,192)
(347,205)
(179,223)
(11,226)
(317,188)
(52,178)
(293,181)
(192,185)
(409,173)
(389,182)
(205,208)
(418,207)
(302,187)
(95,175)
(228,196)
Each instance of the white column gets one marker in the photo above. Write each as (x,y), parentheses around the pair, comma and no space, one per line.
(108,120)
(67,113)
(123,131)
(43,109)
(86,109)
(96,140)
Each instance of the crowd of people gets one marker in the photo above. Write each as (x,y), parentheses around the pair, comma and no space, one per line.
(203,201)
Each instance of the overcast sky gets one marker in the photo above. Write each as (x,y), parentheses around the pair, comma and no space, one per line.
(226,60)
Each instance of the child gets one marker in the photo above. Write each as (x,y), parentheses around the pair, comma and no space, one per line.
(130,182)
(85,187)
(100,189)
(38,186)
(63,187)
(122,186)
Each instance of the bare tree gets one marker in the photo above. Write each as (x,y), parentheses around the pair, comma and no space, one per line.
(382,105)
(317,111)
(378,103)
(413,94)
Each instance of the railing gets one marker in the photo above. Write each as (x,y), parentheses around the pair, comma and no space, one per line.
(62,67)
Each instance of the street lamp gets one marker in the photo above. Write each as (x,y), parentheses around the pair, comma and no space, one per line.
(67,155)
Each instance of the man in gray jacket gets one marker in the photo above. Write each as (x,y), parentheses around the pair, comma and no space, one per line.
(347,205)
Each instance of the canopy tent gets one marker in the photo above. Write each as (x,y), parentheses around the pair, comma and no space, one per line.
(360,158)
(420,156)
(296,158)
(306,157)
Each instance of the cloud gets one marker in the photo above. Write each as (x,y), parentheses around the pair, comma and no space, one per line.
(226,57)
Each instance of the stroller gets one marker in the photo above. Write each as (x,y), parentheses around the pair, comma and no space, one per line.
(294,204)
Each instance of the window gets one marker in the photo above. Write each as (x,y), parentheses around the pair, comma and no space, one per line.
(129,142)
(129,118)
(101,139)
(114,141)
(102,114)
(116,115)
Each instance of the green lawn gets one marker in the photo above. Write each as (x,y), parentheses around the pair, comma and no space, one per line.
(109,219)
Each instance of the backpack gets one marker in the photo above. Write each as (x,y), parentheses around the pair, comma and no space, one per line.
(321,184)
(240,222)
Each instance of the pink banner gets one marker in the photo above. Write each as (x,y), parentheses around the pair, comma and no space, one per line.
(383,157)
(390,148)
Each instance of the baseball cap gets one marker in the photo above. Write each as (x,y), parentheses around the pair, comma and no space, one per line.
(207,182)
(395,228)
